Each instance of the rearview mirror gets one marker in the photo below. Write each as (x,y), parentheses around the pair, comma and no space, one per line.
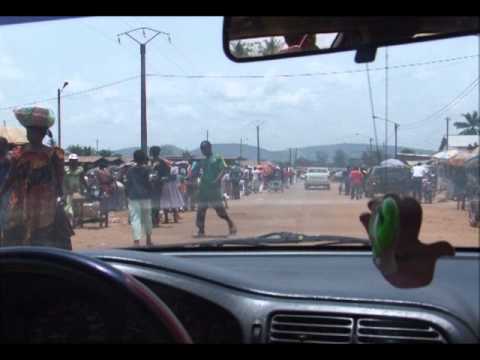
(249,38)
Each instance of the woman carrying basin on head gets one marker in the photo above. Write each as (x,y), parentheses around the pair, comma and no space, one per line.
(34,215)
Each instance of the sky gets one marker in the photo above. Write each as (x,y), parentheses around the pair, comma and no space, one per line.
(36,59)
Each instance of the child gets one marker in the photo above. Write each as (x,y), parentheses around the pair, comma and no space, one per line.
(139,199)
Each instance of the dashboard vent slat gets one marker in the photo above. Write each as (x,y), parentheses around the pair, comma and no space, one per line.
(324,328)
(314,329)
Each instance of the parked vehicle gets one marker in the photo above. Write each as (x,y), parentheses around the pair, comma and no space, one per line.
(317,177)
(382,180)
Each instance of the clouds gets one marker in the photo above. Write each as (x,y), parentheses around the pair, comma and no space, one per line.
(9,70)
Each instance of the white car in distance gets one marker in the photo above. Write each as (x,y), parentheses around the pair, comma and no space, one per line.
(317,177)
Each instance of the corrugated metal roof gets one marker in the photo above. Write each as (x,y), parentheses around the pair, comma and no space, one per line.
(462,141)
(13,135)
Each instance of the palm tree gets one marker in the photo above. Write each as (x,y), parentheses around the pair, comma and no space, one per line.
(471,126)
(239,49)
(271,46)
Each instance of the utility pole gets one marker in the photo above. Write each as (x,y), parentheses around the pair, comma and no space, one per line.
(371,149)
(396,129)
(448,121)
(59,108)
(258,144)
(386,103)
(241,144)
(97,146)
(143,85)
(290,156)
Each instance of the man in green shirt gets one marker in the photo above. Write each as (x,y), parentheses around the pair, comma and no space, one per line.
(211,170)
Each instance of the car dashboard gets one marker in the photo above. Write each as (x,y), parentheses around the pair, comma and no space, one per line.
(306,296)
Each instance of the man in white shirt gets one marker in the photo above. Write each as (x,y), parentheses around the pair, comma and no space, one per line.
(418,172)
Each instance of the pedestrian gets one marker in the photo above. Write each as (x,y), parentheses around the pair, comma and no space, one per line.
(347,181)
(192,187)
(291,173)
(235,177)
(284,178)
(4,170)
(182,176)
(418,172)
(4,160)
(160,171)
(364,172)
(34,216)
(107,186)
(74,186)
(210,195)
(171,199)
(356,182)
(139,199)
(460,185)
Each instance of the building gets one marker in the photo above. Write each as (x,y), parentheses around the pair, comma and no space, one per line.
(460,142)
(14,135)
(414,158)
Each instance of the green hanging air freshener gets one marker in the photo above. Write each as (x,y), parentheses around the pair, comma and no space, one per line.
(383,232)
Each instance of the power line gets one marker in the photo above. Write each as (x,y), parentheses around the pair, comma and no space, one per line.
(313,74)
(185,76)
(462,95)
(77,93)
(235,76)
(386,102)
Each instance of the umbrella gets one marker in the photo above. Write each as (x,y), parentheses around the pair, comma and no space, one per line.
(392,163)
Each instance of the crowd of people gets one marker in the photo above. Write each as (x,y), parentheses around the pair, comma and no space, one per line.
(352,182)
(42,198)
(419,181)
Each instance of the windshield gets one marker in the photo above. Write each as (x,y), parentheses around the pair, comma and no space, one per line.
(226,146)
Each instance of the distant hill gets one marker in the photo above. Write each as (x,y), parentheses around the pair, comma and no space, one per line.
(353,151)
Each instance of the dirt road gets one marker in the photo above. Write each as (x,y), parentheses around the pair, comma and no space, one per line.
(296,210)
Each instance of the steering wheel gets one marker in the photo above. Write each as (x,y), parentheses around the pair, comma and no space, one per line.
(52,295)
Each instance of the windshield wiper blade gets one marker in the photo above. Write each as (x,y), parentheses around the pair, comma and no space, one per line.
(277,238)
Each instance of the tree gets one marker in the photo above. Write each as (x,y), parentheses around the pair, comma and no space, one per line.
(302,161)
(271,46)
(322,158)
(81,150)
(340,158)
(369,158)
(407,151)
(187,155)
(471,125)
(240,49)
(105,153)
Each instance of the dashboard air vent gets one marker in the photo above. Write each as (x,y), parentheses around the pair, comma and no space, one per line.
(336,328)
(311,328)
(391,330)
